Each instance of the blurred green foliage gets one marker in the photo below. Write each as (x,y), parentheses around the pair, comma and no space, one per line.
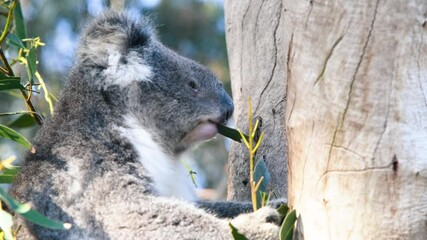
(18,54)
(194,28)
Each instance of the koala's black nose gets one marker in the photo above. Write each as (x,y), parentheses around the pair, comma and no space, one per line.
(227,110)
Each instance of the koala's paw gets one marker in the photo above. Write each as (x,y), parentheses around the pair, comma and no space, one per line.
(262,224)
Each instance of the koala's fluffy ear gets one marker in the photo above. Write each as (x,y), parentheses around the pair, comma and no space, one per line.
(113,33)
(111,47)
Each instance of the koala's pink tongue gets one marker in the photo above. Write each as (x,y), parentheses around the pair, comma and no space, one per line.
(203,131)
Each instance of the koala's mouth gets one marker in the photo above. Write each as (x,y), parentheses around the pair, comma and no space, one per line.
(202,131)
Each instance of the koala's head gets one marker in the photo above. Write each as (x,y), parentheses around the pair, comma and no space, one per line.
(176,99)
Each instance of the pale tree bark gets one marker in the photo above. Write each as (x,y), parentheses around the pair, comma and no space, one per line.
(356,110)
(117,4)
(357,118)
(257,61)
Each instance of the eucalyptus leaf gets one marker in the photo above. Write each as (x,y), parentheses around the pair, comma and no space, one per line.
(8,83)
(19,22)
(30,214)
(261,171)
(23,121)
(14,40)
(9,133)
(41,220)
(283,210)
(6,178)
(11,171)
(287,228)
(230,133)
(236,234)
(32,64)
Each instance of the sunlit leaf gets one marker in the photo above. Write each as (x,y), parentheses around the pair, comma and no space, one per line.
(287,228)
(235,233)
(190,171)
(6,222)
(30,214)
(8,133)
(7,163)
(46,92)
(8,83)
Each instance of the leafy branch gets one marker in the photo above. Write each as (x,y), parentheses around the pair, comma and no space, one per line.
(7,74)
(27,48)
(252,146)
(8,21)
(259,177)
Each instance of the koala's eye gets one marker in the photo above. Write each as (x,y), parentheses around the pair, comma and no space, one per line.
(192,85)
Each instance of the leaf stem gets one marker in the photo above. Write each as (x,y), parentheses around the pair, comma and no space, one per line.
(251,156)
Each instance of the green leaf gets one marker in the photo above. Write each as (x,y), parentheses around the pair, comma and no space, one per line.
(6,178)
(23,121)
(41,220)
(8,83)
(261,171)
(14,40)
(230,133)
(6,222)
(19,22)
(32,64)
(8,175)
(30,214)
(9,133)
(287,228)
(12,171)
(236,234)
(283,210)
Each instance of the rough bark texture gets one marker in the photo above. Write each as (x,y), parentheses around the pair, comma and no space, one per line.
(257,65)
(357,118)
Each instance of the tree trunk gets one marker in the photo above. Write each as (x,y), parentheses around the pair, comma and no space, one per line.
(118,5)
(357,118)
(257,67)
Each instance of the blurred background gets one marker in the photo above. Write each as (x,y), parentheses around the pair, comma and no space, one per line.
(193,28)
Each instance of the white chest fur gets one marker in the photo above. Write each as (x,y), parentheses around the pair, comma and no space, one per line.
(169,176)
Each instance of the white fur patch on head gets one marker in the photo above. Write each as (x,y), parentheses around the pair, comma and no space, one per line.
(169,176)
(122,73)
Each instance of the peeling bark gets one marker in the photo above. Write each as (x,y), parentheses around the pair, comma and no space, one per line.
(354,76)
(357,118)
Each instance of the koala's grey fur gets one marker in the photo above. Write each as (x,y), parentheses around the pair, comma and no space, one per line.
(127,97)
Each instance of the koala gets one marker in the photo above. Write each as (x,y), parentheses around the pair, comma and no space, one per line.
(107,161)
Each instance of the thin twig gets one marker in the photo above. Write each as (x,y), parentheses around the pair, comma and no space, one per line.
(28,102)
(8,21)
(3,70)
(16,113)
